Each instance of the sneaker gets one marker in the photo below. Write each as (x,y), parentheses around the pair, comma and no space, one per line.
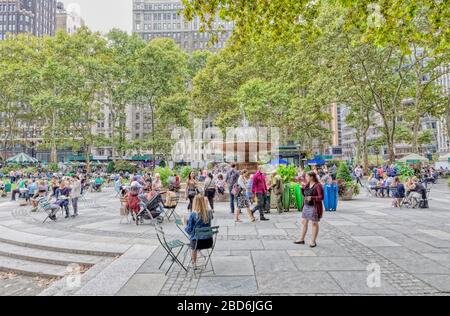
(263,219)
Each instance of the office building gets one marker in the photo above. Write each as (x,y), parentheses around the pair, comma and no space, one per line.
(37,17)
(164,19)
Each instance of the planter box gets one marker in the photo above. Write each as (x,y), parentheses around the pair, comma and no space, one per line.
(348,196)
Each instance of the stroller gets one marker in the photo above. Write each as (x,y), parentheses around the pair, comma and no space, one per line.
(152,210)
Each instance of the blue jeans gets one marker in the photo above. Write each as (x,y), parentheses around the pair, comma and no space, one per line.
(232,198)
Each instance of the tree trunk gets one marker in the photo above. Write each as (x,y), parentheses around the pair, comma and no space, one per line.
(415,135)
(54,154)
(365,149)
(87,154)
(447,119)
(153,132)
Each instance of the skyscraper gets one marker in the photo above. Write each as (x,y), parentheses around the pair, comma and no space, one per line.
(37,17)
(164,18)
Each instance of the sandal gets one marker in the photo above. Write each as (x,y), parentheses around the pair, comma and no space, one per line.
(313,246)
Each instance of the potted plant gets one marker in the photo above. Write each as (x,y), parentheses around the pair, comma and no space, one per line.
(287,174)
(347,186)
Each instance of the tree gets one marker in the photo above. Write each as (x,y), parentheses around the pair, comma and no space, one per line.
(118,84)
(160,72)
(383,22)
(14,86)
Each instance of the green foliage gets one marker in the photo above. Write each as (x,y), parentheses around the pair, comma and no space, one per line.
(185,172)
(405,172)
(111,167)
(307,169)
(343,173)
(53,167)
(165,173)
(9,167)
(448,182)
(124,166)
(287,173)
(30,170)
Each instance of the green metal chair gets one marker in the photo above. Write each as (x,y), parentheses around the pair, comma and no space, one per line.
(174,249)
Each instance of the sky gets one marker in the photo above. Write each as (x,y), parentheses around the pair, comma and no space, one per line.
(103,15)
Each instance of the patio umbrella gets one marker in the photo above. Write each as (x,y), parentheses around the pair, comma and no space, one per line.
(276,162)
(22,159)
(445,158)
(414,158)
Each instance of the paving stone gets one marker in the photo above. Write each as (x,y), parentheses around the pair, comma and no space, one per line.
(233,266)
(143,285)
(280,245)
(421,266)
(441,258)
(301,253)
(328,264)
(437,234)
(341,223)
(240,245)
(375,241)
(272,261)
(439,281)
(271,232)
(225,286)
(355,282)
(297,283)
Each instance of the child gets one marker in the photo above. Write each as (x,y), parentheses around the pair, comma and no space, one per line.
(220,184)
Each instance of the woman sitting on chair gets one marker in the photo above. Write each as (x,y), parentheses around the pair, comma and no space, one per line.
(200,217)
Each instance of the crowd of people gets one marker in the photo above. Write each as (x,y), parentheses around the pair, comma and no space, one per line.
(251,194)
(50,191)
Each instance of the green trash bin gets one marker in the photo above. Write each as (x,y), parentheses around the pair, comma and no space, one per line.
(8,187)
(286,199)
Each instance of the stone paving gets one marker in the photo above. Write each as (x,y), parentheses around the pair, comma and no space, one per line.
(410,248)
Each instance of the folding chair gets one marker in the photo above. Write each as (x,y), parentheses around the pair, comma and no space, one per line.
(124,212)
(49,213)
(84,194)
(174,248)
(170,208)
(369,192)
(180,225)
(205,254)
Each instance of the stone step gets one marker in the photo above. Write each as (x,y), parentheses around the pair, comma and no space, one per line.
(18,238)
(30,268)
(45,256)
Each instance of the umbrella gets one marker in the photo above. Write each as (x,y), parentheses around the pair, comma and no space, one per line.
(316,162)
(414,158)
(22,159)
(276,162)
(445,158)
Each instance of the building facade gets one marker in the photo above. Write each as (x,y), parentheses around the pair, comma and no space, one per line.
(67,20)
(37,17)
(164,19)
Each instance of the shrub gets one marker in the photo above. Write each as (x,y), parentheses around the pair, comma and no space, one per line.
(111,167)
(165,174)
(124,166)
(185,172)
(345,181)
(53,167)
(448,182)
(287,173)
(343,174)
